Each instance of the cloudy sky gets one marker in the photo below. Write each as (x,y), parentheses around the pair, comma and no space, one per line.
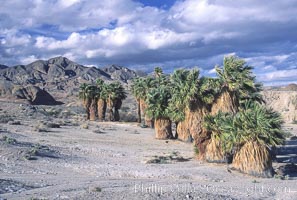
(142,34)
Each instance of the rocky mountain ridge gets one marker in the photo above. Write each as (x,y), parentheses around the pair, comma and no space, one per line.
(59,76)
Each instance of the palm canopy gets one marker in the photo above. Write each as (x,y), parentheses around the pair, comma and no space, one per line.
(83,91)
(116,91)
(157,101)
(102,87)
(187,89)
(137,87)
(258,123)
(87,91)
(180,90)
(237,77)
(141,86)
(99,82)
(92,92)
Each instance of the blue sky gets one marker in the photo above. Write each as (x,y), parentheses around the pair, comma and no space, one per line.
(142,34)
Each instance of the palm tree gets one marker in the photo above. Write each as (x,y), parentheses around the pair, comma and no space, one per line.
(258,127)
(148,84)
(191,96)
(83,94)
(120,96)
(248,135)
(140,89)
(236,83)
(157,108)
(116,93)
(216,150)
(178,103)
(92,92)
(138,92)
(102,97)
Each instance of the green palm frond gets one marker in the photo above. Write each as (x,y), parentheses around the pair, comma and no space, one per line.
(253,122)
(83,91)
(115,90)
(157,102)
(237,78)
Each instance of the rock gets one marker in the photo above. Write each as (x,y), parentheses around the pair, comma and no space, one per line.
(6,87)
(285,102)
(120,73)
(35,95)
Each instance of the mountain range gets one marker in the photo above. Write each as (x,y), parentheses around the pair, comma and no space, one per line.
(59,76)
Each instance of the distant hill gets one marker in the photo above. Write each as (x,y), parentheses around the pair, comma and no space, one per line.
(59,76)
(3,66)
(291,87)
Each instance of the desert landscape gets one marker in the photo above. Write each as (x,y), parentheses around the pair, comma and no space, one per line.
(148,99)
(49,150)
(77,159)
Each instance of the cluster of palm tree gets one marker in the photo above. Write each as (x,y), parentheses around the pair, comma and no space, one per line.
(223,116)
(245,137)
(101,98)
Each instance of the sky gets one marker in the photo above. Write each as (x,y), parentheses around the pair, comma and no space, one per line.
(143,34)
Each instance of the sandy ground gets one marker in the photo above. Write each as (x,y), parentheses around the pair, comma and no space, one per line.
(119,161)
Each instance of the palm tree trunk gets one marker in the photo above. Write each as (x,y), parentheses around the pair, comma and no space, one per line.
(138,111)
(117,106)
(87,103)
(176,132)
(144,118)
(163,128)
(110,109)
(183,132)
(226,102)
(93,110)
(101,106)
(214,152)
(142,110)
(149,121)
(195,119)
(255,159)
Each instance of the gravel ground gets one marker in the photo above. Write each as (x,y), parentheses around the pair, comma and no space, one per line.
(103,160)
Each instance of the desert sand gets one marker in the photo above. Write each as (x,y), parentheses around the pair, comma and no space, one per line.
(109,160)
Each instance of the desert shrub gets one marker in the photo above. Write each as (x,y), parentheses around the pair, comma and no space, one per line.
(9,140)
(281,177)
(14,122)
(53,125)
(53,112)
(66,114)
(33,152)
(6,118)
(97,189)
(40,127)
